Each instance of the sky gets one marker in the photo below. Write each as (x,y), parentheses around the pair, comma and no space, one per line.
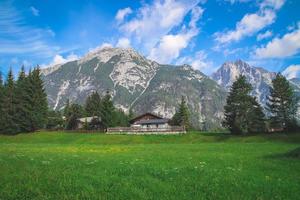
(201,33)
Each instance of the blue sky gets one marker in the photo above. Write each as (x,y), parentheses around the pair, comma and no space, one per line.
(202,33)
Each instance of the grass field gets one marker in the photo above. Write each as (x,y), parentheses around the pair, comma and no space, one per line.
(193,166)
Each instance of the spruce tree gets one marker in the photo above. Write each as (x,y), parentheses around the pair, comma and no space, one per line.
(282,104)
(131,114)
(1,104)
(66,108)
(38,100)
(242,111)
(107,111)
(75,112)
(182,115)
(256,117)
(22,102)
(9,106)
(120,118)
(93,105)
(54,120)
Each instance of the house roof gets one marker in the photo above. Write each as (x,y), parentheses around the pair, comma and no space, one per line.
(153,121)
(141,116)
(88,119)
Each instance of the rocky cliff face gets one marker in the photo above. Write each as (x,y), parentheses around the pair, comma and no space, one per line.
(138,83)
(259,78)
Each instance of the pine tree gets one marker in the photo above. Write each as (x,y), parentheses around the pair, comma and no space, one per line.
(22,102)
(242,111)
(1,104)
(75,112)
(107,111)
(38,100)
(9,106)
(256,117)
(282,103)
(66,108)
(182,115)
(120,118)
(93,105)
(131,114)
(54,120)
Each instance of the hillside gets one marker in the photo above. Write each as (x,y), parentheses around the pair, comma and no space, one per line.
(138,83)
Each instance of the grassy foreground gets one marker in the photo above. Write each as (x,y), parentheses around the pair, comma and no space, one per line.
(193,166)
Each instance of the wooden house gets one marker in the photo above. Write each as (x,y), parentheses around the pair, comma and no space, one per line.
(148,123)
(149,120)
(93,122)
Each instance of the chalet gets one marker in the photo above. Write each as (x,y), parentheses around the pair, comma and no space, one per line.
(149,120)
(148,123)
(93,122)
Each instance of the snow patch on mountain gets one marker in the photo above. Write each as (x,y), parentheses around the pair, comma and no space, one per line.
(132,70)
(85,84)
(97,66)
(162,109)
(61,92)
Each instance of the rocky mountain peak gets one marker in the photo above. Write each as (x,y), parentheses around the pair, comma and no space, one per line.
(259,78)
(104,54)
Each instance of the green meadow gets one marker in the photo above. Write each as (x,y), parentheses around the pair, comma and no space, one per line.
(59,165)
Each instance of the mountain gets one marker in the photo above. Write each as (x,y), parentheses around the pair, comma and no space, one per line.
(137,83)
(259,78)
(295,82)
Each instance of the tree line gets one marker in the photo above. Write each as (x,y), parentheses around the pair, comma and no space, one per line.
(95,106)
(243,114)
(23,102)
(24,108)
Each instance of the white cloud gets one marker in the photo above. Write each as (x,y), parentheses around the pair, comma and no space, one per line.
(198,61)
(98,48)
(293,71)
(170,45)
(251,23)
(58,59)
(123,42)
(154,21)
(105,45)
(273,4)
(286,46)
(122,13)
(237,1)
(17,37)
(34,11)
(197,12)
(264,35)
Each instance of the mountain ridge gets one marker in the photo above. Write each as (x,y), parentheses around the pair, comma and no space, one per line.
(146,86)
(138,83)
(259,78)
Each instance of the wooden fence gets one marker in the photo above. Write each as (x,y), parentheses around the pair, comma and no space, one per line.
(139,130)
